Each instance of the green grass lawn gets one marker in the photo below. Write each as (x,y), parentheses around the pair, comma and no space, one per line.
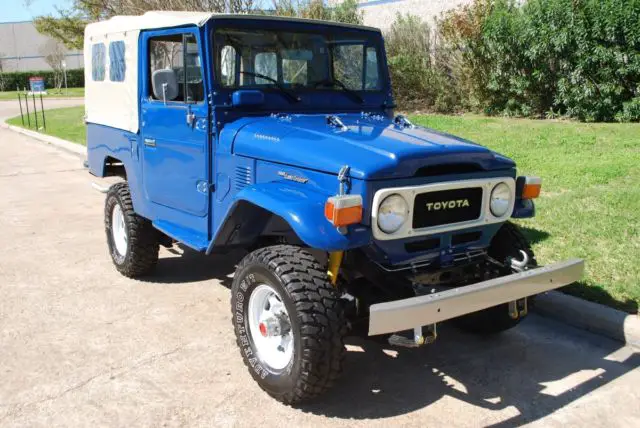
(66,123)
(51,93)
(590,201)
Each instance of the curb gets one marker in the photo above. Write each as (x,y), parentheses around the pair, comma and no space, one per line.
(590,316)
(68,146)
(570,310)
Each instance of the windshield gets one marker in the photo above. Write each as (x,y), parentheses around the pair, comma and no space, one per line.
(297,60)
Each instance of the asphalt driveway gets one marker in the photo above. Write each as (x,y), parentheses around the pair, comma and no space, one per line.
(81,345)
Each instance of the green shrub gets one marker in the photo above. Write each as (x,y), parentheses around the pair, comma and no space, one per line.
(419,79)
(20,79)
(630,111)
(579,58)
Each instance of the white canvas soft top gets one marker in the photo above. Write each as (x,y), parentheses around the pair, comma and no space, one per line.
(150,20)
(115,104)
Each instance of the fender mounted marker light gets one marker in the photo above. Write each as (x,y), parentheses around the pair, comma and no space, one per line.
(531,187)
(343,210)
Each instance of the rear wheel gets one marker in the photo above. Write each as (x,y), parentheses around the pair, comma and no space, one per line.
(508,242)
(289,323)
(132,240)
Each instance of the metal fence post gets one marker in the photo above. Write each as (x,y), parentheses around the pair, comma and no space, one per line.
(20,102)
(44,121)
(35,109)
(26,99)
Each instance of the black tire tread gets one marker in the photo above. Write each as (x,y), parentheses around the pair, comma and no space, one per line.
(321,315)
(143,242)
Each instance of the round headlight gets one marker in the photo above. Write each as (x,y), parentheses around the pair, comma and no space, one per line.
(500,199)
(392,213)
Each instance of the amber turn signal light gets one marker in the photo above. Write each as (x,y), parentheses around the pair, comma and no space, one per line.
(343,210)
(531,188)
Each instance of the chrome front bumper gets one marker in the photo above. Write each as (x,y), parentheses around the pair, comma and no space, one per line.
(390,317)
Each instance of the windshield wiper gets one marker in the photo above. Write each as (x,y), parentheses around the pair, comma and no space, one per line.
(292,96)
(335,82)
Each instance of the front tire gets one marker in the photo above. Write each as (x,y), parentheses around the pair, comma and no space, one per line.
(508,242)
(289,323)
(132,240)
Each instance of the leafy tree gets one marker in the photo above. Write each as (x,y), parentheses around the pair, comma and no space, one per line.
(54,55)
(68,25)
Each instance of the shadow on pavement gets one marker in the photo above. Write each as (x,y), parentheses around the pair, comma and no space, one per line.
(183,265)
(534,368)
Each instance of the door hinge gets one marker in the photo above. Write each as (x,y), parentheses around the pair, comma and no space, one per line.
(203,187)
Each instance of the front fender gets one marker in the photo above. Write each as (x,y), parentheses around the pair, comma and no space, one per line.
(303,210)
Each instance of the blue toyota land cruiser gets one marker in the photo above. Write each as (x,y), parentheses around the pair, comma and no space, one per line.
(279,136)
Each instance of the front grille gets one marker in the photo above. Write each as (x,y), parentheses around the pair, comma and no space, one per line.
(446,207)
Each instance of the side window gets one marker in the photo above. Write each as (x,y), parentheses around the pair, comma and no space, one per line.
(117,66)
(347,65)
(228,66)
(174,61)
(372,77)
(266,63)
(294,71)
(98,60)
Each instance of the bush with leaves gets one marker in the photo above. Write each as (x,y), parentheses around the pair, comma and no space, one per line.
(579,58)
(419,70)
(20,79)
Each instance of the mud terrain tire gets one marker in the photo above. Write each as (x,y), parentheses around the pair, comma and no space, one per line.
(315,320)
(138,254)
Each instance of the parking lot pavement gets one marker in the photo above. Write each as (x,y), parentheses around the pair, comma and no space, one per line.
(81,345)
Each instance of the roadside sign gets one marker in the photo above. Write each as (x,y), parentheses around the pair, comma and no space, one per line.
(36,84)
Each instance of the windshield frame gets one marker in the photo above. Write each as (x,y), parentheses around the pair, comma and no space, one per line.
(370,37)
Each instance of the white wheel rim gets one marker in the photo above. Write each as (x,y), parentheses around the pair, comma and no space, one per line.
(267,310)
(119,230)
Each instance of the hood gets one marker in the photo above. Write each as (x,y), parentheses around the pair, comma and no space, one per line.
(372,146)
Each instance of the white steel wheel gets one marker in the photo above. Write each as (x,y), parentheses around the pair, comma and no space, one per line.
(119,230)
(270,328)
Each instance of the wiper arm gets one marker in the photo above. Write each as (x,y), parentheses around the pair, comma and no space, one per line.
(335,82)
(292,96)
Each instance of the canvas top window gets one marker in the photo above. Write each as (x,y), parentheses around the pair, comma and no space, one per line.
(175,73)
(299,60)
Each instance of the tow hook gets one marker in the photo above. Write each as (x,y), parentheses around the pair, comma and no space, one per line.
(518,308)
(419,339)
(520,265)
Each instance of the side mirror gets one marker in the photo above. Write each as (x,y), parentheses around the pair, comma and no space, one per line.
(247,97)
(165,85)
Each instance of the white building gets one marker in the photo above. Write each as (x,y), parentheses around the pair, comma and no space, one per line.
(22,48)
(382,13)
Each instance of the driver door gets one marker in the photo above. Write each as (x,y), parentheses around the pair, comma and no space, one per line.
(174,127)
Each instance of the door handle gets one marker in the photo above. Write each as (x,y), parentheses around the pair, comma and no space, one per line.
(149,142)
(191,118)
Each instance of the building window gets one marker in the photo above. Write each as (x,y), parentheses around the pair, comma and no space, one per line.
(117,66)
(98,62)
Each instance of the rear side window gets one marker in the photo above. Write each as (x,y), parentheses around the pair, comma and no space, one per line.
(266,64)
(228,66)
(98,60)
(117,66)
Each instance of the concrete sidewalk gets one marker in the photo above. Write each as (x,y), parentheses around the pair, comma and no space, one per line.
(82,345)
